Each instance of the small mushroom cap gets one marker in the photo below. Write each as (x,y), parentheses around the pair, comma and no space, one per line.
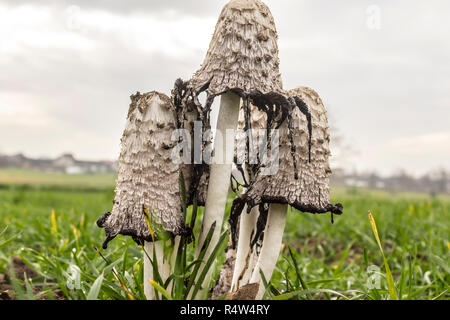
(310,192)
(243,53)
(147,176)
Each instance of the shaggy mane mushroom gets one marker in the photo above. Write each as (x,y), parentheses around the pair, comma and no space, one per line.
(241,63)
(144,164)
(147,183)
(302,181)
(242,67)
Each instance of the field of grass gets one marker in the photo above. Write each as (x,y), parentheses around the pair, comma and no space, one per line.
(29,178)
(53,231)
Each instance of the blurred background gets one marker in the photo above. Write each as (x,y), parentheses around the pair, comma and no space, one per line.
(381,67)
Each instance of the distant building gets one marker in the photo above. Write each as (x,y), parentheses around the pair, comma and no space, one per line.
(65,164)
(437,182)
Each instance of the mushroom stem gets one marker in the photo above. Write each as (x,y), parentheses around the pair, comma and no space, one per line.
(165,265)
(245,254)
(273,238)
(219,182)
(173,260)
(150,248)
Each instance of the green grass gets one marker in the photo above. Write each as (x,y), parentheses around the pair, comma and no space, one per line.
(327,262)
(414,232)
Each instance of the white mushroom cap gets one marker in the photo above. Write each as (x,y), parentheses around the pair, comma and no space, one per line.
(243,53)
(147,176)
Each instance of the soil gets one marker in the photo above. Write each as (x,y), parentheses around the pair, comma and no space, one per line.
(21,269)
(247,292)
(5,289)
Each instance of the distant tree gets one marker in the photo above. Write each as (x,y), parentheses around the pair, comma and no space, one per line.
(372,180)
(440,178)
(342,150)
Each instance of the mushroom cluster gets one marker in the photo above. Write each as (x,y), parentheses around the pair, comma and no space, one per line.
(242,67)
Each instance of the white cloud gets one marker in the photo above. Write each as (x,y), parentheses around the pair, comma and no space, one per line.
(433,144)
(415,154)
(29,27)
(19,110)
(166,33)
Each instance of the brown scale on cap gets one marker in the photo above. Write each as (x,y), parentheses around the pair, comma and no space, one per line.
(147,177)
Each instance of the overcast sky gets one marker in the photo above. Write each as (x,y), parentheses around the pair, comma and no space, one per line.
(67,69)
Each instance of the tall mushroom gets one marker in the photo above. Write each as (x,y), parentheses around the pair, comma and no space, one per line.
(302,180)
(148,181)
(242,58)
(246,252)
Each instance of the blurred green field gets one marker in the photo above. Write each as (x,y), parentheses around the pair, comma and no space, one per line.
(37,179)
(331,260)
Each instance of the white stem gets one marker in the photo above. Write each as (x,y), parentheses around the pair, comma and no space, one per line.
(173,260)
(164,267)
(148,271)
(219,183)
(244,255)
(273,239)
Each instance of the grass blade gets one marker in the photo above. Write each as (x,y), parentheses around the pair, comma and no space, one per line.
(29,289)
(390,279)
(180,270)
(15,283)
(148,220)
(304,286)
(122,284)
(440,262)
(54,227)
(183,193)
(194,273)
(209,263)
(95,289)
(265,283)
(194,212)
(160,289)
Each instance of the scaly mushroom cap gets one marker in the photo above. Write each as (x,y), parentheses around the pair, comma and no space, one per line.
(147,177)
(310,192)
(243,53)
(302,178)
(312,186)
